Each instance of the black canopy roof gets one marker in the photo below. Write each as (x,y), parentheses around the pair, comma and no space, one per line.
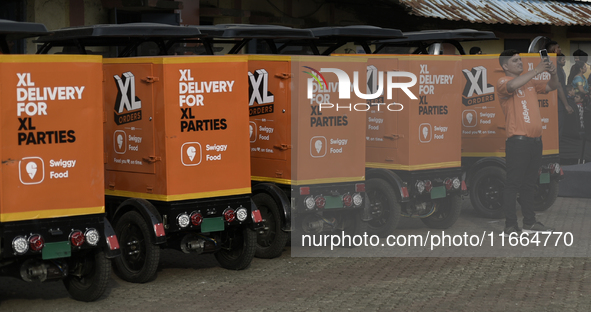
(422,39)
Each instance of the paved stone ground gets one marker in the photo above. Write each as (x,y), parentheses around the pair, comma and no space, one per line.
(190,283)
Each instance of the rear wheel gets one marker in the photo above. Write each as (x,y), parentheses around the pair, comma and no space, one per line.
(238,249)
(139,255)
(384,207)
(446,213)
(89,276)
(271,240)
(545,195)
(486,192)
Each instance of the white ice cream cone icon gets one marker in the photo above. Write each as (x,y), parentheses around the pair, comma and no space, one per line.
(318,146)
(191,151)
(31,169)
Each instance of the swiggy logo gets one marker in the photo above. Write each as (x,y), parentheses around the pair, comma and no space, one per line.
(31,170)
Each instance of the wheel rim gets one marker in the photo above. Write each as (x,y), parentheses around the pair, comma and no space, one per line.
(378,204)
(235,245)
(490,193)
(134,250)
(266,237)
(88,272)
(541,194)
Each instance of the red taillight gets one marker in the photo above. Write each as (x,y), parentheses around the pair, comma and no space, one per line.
(428,186)
(113,242)
(36,242)
(229,215)
(404,191)
(347,200)
(464,187)
(320,201)
(448,184)
(159,229)
(77,238)
(561,172)
(360,187)
(305,190)
(196,218)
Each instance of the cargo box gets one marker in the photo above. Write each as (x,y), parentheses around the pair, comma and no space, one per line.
(51,137)
(176,127)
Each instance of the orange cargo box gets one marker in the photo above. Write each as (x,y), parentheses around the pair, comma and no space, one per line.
(51,136)
(483,120)
(295,141)
(176,127)
(425,132)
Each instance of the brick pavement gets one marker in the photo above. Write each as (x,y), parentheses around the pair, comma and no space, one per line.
(190,282)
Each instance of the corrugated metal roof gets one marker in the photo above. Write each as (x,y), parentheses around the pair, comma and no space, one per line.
(518,12)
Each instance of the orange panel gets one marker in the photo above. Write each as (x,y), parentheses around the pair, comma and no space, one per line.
(324,145)
(199,126)
(51,110)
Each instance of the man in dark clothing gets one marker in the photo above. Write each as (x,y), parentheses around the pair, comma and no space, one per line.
(518,96)
(563,107)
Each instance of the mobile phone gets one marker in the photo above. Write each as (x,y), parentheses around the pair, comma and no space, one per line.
(544,55)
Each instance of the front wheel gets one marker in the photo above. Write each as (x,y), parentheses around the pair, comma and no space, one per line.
(486,192)
(446,212)
(239,247)
(384,207)
(89,276)
(139,255)
(545,195)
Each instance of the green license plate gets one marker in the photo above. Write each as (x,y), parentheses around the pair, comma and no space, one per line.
(212,225)
(56,250)
(438,192)
(333,202)
(544,178)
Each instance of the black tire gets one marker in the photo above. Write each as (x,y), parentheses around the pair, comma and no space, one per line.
(486,192)
(384,206)
(446,213)
(239,247)
(272,240)
(96,270)
(545,195)
(139,255)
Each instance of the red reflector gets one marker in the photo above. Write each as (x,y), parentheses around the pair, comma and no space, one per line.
(360,187)
(464,187)
(404,192)
(448,184)
(196,219)
(77,238)
(348,200)
(561,172)
(428,186)
(36,242)
(256,216)
(159,229)
(113,242)
(305,190)
(320,202)
(229,215)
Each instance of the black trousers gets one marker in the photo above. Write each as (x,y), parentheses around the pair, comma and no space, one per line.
(523,159)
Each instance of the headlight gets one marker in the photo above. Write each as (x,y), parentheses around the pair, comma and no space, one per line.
(20,245)
(357,199)
(183,220)
(241,214)
(310,203)
(420,186)
(92,237)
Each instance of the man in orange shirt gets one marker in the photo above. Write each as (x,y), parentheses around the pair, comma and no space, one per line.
(518,95)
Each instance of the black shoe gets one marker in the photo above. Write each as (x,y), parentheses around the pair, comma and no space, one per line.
(536,227)
(510,230)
